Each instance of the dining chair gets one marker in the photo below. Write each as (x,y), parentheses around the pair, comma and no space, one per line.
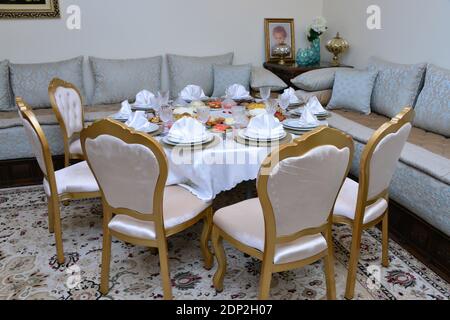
(365,204)
(70,183)
(67,105)
(131,169)
(289,225)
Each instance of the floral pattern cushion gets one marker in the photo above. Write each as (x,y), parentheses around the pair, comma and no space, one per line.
(225,76)
(433,105)
(352,90)
(30,81)
(397,86)
(5,91)
(119,80)
(185,70)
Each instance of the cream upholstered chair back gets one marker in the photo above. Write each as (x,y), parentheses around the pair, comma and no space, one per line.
(36,138)
(130,167)
(67,104)
(382,153)
(300,189)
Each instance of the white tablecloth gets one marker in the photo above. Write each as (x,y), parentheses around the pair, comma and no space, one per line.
(208,172)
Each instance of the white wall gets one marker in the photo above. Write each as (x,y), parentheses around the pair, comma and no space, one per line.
(412,30)
(144,28)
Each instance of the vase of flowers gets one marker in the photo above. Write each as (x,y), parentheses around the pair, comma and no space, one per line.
(311,55)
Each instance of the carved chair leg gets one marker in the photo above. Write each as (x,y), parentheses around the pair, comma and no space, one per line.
(106,260)
(265,280)
(353,262)
(51,216)
(206,235)
(221,260)
(58,229)
(385,240)
(329,268)
(165,272)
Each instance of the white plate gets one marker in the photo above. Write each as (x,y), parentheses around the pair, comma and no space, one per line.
(246,137)
(295,124)
(152,128)
(298,112)
(199,140)
(169,142)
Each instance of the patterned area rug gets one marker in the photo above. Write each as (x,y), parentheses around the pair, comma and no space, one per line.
(28,268)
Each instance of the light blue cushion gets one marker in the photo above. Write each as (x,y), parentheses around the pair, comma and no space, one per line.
(433,105)
(397,86)
(353,90)
(119,80)
(316,80)
(5,90)
(225,76)
(185,70)
(263,78)
(30,81)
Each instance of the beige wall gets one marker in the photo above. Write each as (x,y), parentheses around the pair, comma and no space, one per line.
(412,30)
(143,28)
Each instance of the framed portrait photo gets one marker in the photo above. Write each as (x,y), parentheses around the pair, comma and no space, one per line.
(279,32)
(29,9)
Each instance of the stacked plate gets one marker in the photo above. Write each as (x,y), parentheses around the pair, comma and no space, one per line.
(244,134)
(320,116)
(296,126)
(188,141)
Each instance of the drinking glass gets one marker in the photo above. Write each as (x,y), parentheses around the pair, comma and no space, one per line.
(240,119)
(284,101)
(157,103)
(203,114)
(166,116)
(271,106)
(265,93)
(164,95)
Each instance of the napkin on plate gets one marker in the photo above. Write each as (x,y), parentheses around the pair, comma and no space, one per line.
(264,126)
(308,119)
(187,130)
(315,106)
(124,112)
(138,121)
(144,99)
(237,92)
(293,99)
(192,93)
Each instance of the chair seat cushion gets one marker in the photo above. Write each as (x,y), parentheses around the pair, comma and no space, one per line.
(179,207)
(74,179)
(346,203)
(244,222)
(75,147)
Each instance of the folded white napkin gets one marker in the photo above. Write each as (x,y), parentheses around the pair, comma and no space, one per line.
(236,92)
(293,99)
(308,119)
(264,126)
(187,130)
(315,106)
(144,99)
(192,93)
(138,121)
(124,112)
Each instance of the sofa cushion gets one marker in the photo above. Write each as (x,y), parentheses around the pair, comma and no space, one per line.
(5,90)
(316,80)
(433,105)
(30,81)
(261,77)
(397,86)
(323,96)
(119,80)
(185,70)
(225,76)
(434,164)
(352,90)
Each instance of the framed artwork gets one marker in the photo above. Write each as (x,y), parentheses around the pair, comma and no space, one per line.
(29,9)
(279,31)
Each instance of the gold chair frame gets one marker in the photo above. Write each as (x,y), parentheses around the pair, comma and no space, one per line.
(358,226)
(54,85)
(130,136)
(300,146)
(54,214)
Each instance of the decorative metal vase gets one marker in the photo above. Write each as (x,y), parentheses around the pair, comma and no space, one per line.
(337,46)
(309,56)
(282,51)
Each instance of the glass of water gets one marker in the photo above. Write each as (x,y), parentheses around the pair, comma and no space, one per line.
(265,93)
(271,106)
(203,114)
(166,116)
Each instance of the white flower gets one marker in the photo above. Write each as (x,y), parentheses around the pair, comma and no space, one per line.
(319,25)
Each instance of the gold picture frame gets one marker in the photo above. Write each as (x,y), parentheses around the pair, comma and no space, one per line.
(29,9)
(284,29)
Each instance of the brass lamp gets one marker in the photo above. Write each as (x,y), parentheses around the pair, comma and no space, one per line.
(337,46)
